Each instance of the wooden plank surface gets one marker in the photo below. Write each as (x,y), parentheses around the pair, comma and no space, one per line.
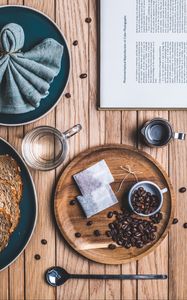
(24,278)
(69,113)
(45,229)
(178,235)
(156,262)
(96,134)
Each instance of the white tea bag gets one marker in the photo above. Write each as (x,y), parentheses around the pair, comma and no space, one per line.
(98,200)
(93,178)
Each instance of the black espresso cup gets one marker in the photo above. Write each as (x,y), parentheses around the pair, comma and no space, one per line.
(158,133)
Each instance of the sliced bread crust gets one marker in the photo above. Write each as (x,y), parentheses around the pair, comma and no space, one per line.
(8,202)
(10,171)
(11,188)
(5,226)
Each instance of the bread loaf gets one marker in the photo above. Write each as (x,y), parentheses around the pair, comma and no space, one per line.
(10,171)
(10,195)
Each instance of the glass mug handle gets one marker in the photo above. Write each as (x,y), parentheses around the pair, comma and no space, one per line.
(179,135)
(72,131)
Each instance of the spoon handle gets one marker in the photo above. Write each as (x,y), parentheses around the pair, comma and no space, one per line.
(122,277)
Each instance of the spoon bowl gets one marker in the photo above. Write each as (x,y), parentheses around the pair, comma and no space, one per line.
(56,276)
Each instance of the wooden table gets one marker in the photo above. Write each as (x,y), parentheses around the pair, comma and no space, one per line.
(24,278)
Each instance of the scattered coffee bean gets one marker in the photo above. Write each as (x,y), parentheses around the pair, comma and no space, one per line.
(84,75)
(44,242)
(144,202)
(68,95)
(75,43)
(97,233)
(89,223)
(88,20)
(108,233)
(37,256)
(72,202)
(175,221)
(182,190)
(111,246)
(78,234)
(185,225)
(110,214)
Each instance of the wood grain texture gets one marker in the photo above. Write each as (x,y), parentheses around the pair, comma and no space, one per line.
(96,132)
(34,269)
(177,236)
(99,127)
(113,135)
(156,262)
(71,219)
(71,19)
(129,134)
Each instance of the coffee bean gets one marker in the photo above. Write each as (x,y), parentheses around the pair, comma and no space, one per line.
(182,190)
(77,234)
(111,246)
(120,242)
(185,225)
(37,256)
(88,20)
(84,75)
(108,233)
(68,95)
(175,221)
(152,236)
(72,202)
(75,43)
(44,242)
(89,223)
(111,226)
(110,214)
(97,233)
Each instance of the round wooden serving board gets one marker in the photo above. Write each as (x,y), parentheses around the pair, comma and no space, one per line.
(71,219)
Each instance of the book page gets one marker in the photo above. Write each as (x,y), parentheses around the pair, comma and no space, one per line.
(143,54)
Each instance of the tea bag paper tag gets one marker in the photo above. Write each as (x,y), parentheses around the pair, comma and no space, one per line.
(99,199)
(93,178)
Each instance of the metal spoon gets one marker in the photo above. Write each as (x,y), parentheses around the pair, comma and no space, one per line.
(56,276)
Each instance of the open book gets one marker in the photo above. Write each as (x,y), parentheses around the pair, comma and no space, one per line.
(143,54)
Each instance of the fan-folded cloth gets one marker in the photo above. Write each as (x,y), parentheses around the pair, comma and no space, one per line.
(25,78)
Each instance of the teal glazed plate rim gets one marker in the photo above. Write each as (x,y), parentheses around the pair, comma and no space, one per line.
(28,211)
(31,19)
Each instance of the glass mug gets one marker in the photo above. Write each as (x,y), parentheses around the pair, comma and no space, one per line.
(158,133)
(45,148)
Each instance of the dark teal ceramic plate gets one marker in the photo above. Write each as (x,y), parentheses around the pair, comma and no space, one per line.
(28,211)
(37,27)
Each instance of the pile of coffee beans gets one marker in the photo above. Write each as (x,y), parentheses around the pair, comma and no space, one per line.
(144,202)
(128,231)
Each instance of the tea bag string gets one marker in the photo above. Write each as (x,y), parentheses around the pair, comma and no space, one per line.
(128,170)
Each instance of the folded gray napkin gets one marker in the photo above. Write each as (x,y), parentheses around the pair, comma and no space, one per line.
(25,78)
